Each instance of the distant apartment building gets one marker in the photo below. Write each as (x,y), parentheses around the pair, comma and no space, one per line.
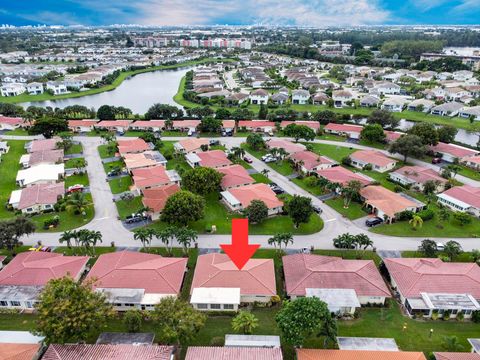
(150,41)
(216,43)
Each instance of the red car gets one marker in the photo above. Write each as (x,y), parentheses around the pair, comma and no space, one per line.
(436,160)
(247,160)
(75,188)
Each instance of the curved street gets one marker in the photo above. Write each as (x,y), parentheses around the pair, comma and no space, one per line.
(106,217)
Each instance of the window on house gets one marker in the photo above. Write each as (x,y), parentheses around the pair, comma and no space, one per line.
(15,303)
(228,306)
(202,306)
(215,306)
(3,303)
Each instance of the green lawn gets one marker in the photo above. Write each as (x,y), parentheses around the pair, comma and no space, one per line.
(372,144)
(68,220)
(77,179)
(314,190)
(470,173)
(283,167)
(17,132)
(104,153)
(333,152)
(331,137)
(260,178)
(9,167)
(75,149)
(463,257)
(70,163)
(431,228)
(217,214)
(120,184)
(354,211)
(109,166)
(126,208)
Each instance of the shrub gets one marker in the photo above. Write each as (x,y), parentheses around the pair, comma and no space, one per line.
(398,188)
(446,315)
(476,316)
(405,215)
(434,315)
(460,316)
(217,341)
(367,167)
(347,161)
(132,319)
(426,214)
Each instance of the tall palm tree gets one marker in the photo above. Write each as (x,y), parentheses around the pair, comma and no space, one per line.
(144,236)
(77,203)
(166,236)
(451,344)
(185,237)
(67,237)
(351,190)
(95,237)
(416,221)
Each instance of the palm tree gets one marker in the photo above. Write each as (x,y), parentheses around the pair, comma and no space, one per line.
(244,322)
(265,172)
(145,236)
(364,242)
(67,237)
(416,221)
(77,203)
(166,237)
(84,238)
(185,237)
(351,190)
(451,344)
(287,238)
(95,237)
(329,331)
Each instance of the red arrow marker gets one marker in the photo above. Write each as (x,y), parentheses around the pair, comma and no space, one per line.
(240,251)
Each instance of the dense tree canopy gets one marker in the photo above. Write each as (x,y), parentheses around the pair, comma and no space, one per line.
(49,127)
(202,180)
(183,207)
(408,145)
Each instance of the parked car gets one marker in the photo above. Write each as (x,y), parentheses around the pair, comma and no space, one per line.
(317,209)
(114,172)
(191,132)
(277,190)
(440,246)
(214,142)
(75,188)
(269,159)
(134,218)
(436,160)
(247,160)
(373,221)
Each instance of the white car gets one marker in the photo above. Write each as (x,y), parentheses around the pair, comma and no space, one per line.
(440,246)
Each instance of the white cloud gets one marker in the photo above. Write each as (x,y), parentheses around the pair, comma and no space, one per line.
(293,12)
(467,5)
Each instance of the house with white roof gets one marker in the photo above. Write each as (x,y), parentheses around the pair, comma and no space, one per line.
(447,109)
(394,104)
(40,174)
(468,112)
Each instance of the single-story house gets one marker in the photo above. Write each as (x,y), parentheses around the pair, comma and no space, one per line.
(114,125)
(132,146)
(424,105)
(223,353)
(428,286)
(155,198)
(300,97)
(468,112)
(185,125)
(378,160)
(82,126)
(305,273)
(314,125)
(350,131)
(447,109)
(42,157)
(237,98)
(37,198)
(148,125)
(417,176)
(452,152)
(342,98)
(256,281)
(257,125)
(228,125)
(234,176)
(104,352)
(10,123)
(40,174)
(308,161)
(369,101)
(394,104)
(144,159)
(324,354)
(154,176)
(342,176)
(212,159)
(237,199)
(387,204)
(288,146)
(472,162)
(42,145)
(190,145)
(464,198)
(19,351)
(23,278)
(259,96)
(137,280)
(320,98)
(455,356)
(391,136)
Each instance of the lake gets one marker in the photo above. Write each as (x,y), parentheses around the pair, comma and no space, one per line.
(138,92)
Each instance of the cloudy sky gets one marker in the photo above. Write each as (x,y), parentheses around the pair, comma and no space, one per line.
(239,12)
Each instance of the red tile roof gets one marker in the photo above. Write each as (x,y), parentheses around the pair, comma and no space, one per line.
(233,353)
(126,146)
(393,135)
(45,156)
(156,198)
(385,200)
(145,124)
(192,144)
(11,120)
(228,124)
(456,356)
(114,123)
(107,352)
(317,354)
(327,272)
(178,124)
(245,194)
(454,150)
(37,268)
(466,193)
(372,157)
(15,351)
(340,175)
(256,124)
(44,145)
(420,174)
(310,159)
(213,159)
(235,175)
(414,276)
(40,194)
(136,270)
(257,277)
(315,125)
(343,128)
(82,123)
(288,146)
(150,177)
